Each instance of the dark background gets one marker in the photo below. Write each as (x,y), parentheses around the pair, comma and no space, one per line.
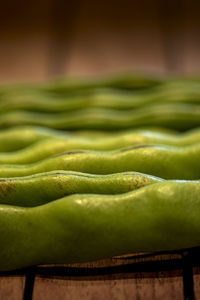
(48,38)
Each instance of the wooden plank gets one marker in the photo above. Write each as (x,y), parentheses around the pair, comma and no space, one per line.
(12,288)
(138,285)
(196,277)
(104,278)
(132,288)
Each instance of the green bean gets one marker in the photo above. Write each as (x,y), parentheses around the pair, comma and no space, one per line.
(80,228)
(125,82)
(22,191)
(16,138)
(62,143)
(95,134)
(82,86)
(114,99)
(163,161)
(174,91)
(43,103)
(179,116)
(35,101)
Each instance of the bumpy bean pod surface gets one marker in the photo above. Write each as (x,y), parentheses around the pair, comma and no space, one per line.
(175,116)
(163,161)
(78,228)
(64,142)
(49,186)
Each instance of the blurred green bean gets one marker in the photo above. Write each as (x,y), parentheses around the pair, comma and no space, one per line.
(175,116)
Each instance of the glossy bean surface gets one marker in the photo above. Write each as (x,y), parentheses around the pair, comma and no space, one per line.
(22,191)
(79,228)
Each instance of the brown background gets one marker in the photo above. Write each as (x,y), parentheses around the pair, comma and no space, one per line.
(47,38)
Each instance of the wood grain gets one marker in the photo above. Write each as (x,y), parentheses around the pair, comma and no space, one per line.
(12,288)
(133,288)
(143,285)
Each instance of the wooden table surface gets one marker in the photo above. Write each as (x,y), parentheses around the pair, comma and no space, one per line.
(40,40)
(139,276)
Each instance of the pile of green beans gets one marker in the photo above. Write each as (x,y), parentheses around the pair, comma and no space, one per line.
(94,169)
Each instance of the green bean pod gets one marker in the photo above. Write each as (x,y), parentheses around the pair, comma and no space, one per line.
(176,116)
(16,138)
(34,100)
(163,161)
(65,142)
(123,82)
(95,134)
(79,228)
(22,191)
(82,86)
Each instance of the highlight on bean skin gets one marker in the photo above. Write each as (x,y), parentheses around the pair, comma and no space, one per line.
(163,161)
(158,217)
(175,116)
(49,186)
(65,142)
